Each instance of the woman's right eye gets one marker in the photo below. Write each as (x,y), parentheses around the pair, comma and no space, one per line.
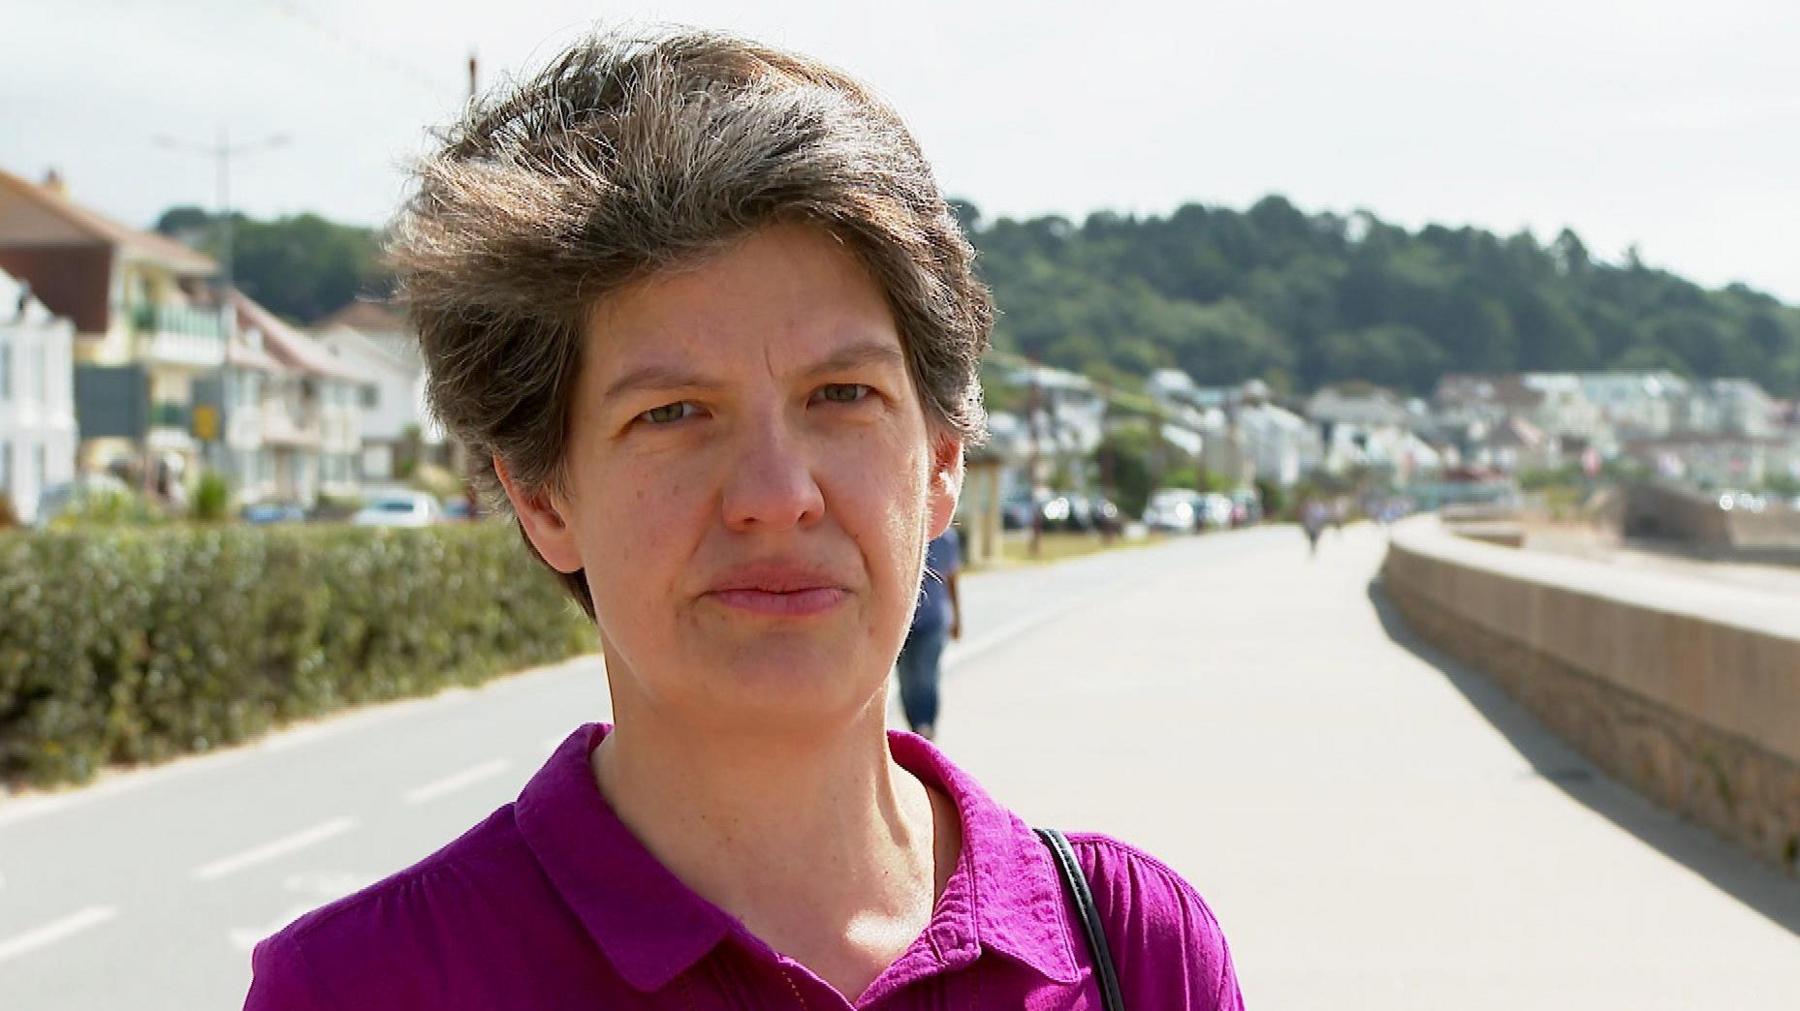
(667,413)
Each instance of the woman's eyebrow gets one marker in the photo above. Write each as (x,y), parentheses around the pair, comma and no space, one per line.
(658,377)
(858,354)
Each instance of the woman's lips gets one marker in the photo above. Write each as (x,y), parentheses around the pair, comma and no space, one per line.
(782,604)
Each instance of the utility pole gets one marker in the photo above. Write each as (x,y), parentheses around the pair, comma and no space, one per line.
(474,80)
(1031,477)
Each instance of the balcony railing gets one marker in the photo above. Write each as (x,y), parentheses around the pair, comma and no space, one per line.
(169,414)
(178,319)
(180,335)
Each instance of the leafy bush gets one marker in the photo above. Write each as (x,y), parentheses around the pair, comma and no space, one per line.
(138,644)
(1274,499)
(212,498)
(109,507)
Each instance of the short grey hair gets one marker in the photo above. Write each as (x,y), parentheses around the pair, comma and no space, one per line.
(631,154)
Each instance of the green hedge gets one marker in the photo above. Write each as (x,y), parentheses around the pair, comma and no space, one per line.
(135,645)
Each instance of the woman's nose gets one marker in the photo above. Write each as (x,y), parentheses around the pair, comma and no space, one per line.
(771,484)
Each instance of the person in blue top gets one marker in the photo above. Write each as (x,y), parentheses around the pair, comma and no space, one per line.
(937,619)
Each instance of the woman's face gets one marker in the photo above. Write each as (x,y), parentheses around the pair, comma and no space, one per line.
(752,484)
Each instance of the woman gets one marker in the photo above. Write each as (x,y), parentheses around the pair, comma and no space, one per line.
(701,306)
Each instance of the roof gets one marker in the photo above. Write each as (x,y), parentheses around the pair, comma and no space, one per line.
(339,338)
(1516,431)
(289,346)
(145,245)
(369,316)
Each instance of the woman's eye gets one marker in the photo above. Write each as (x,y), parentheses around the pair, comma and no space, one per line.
(844,393)
(667,413)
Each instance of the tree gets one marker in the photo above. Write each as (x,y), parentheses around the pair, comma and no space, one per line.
(301,267)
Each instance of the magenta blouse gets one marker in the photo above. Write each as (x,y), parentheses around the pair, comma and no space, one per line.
(551,903)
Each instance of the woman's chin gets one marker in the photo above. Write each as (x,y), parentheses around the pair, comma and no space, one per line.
(792,689)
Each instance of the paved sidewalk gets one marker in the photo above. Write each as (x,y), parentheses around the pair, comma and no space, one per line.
(1373,829)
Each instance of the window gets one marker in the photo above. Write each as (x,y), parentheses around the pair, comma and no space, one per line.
(371,396)
(5,371)
(42,470)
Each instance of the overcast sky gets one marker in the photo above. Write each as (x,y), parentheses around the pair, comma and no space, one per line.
(1672,125)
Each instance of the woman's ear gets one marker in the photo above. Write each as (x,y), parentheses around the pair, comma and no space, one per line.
(543,521)
(945,482)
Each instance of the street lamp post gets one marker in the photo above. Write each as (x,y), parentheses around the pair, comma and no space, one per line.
(222,153)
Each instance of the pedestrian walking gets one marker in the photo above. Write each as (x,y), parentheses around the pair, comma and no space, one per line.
(937,619)
(699,310)
(1313,516)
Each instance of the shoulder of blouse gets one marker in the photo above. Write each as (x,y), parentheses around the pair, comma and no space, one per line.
(347,943)
(1168,947)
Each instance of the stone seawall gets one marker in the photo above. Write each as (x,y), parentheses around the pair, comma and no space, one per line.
(1688,692)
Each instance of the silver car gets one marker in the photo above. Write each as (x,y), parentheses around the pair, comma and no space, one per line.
(398,509)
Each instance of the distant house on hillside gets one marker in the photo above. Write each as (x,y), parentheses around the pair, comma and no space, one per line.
(1638,405)
(1363,405)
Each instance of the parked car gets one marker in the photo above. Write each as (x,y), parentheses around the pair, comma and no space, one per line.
(263,513)
(1058,512)
(1104,516)
(1016,511)
(1743,501)
(398,509)
(1173,509)
(1215,511)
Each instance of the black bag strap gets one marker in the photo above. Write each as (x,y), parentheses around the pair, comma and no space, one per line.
(1077,884)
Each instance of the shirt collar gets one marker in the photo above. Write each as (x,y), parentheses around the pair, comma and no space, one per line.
(1004,895)
(1014,895)
(650,925)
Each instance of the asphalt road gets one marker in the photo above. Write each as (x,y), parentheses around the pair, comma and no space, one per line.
(1374,827)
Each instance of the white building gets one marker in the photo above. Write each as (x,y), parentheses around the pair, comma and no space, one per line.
(1282,446)
(37,398)
(295,430)
(1637,405)
(1363,406)
(392,398)
(1740,407)
(1564,410)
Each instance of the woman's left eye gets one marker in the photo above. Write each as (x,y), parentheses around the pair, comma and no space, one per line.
(844,393)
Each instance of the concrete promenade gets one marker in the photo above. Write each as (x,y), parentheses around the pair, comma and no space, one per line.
(1375,830)
(1375,827)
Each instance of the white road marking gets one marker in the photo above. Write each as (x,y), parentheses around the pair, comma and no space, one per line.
(51,933)
(449,784)
(269,851)
(317,887)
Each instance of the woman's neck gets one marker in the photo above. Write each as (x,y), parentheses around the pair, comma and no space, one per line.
(824,847)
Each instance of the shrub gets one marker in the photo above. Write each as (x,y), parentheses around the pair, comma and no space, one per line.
(138,644)
(212,498)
